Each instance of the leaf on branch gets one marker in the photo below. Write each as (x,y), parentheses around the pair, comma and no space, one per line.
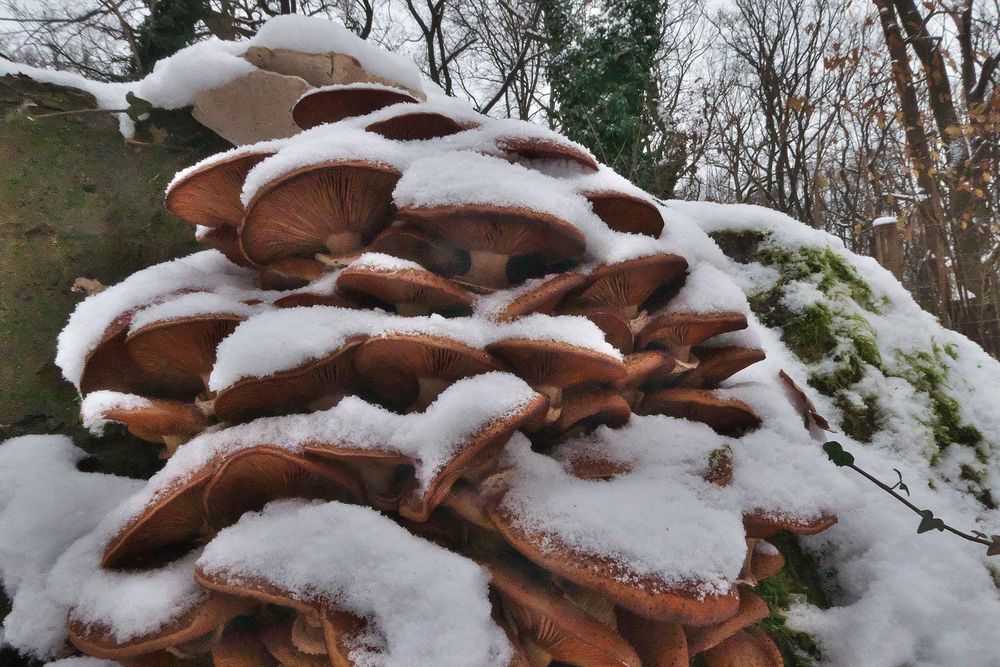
(994,548)
(836,452)
(137,107)
(930,522)
(900,484)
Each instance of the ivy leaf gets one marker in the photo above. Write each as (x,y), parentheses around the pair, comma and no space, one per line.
(837,454)
(930,522)
(900,484)
(994,548)
(137,107)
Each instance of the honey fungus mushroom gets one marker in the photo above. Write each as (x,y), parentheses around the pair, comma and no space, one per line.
(329,104)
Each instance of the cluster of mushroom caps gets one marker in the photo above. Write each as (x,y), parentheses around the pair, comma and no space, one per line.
(328,236)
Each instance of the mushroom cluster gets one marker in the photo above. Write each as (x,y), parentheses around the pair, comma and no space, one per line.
(451,394)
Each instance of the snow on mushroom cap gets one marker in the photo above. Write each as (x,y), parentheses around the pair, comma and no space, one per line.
(281,340)
(326,143)
(40,486)
(429,605)
(261,147)
(377,261)
(708,290)
(204,270)
(97,403)
(192,305)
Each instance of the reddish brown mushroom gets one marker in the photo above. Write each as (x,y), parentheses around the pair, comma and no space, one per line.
(762,524)
(416,126)
(407,372)
(291,273)
(658,644)
(727,416)
(109,365)
(626,213)
(716,364)
(226,240)
(646,596)
(385,474)
(407,242)
(240,647)
(253,477)
(550,367)
(679,332)
(208,615)
(541,297)
(332,208)
(752,609)
(409,291)
(763,560)
(745,649)
(584,410)
(545,618)
(528,149)
(210,195)
(505,245)
(335,103)
(168,423)
(644,370)
(317,385)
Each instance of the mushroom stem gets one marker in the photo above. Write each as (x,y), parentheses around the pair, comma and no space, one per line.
(171,443)
(430,388)
(412,309)
(206,405)
(487,268)
(555,396)
(333,261)
(343,243)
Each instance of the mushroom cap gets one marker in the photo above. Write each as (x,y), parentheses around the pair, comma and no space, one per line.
(416,126)
(254,477)
(226,240)
(393,365)
(335,206)
(613,322)
(210,195)
(292,390)
(239,647)
(158,418)
(406,286)
(541,298)
(545,617)
(586,409)
(629,283)
(407,242)
(483,446)
(646,367)
(723,415)
(752,609)
(291,273)
(640,594)
(335,103)
(211,612)
(277,637)
(715,364)
(109,365)
(626,213)
(687,329)
(761,524)
(590,466)
(744,649)
(167,527)
(539,241)
(658,644)
(178,352)
(719,470)
(555,363)
(520,148)
(763,560)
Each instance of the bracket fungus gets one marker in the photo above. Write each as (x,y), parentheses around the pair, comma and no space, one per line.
(459,396)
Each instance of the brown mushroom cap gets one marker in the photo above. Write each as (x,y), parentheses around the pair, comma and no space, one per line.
(180,352)
(545,617)
(555,363)
(277,639)
(627,213)
(745,649)
(417,125)
(626,285)
(541,298)
(238,647)
(159,419)
(254,477)
(291,273)
(520,148)
(613,322)
(658,644)
(410,291)
(226,240)
(644,370)
(765,524)
(763,560)
(752,609)
(317,385)
(586,409)
(332,207)
(727,416)
(166,528)
(497,238)
(210,196)
(407,372)
(109,365)
(335,103)
(683,330)
(212,612)
(481,448)
(716,364)
(407,242)
(645,596)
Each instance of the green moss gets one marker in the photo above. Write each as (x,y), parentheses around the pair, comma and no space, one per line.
(741,246)
(799,580)
(860,419)
(831,274)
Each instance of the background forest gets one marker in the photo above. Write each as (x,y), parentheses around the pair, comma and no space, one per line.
(876,121)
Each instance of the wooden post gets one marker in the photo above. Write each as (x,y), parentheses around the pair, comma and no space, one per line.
(889,245)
